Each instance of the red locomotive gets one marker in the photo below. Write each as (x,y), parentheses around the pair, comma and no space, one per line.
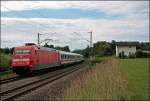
(29,58)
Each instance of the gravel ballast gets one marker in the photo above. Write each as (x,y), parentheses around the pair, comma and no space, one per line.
(52,91)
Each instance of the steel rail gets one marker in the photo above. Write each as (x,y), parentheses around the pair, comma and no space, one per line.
(13,93)
(16,78)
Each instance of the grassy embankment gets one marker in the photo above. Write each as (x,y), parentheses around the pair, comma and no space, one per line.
(103,82)
(136,71)
(5,61)
(115,79)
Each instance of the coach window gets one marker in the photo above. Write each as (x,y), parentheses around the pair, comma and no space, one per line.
(61,56)
(64,56)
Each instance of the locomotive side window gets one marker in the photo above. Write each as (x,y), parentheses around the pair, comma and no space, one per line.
(22,52)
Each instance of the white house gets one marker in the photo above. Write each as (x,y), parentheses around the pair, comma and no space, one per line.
(126,48)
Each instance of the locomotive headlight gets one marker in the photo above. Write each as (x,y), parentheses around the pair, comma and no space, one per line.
(15,60)
(25,59)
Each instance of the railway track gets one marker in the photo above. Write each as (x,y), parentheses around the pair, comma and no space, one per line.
(15,92)
(11,79)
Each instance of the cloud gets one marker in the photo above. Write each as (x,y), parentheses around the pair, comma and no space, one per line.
(106,6)
(134,26)
(102,30)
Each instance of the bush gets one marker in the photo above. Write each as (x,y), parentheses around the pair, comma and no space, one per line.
(95,60)
(122,55)
(140,54)
(132,55)
(5,62)
(146,55)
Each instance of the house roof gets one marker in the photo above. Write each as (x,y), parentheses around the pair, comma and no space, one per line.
(125,43)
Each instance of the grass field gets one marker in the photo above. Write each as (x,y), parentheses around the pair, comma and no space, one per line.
(104,82)
(136,71)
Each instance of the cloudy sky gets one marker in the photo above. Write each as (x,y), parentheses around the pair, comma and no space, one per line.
(68,22)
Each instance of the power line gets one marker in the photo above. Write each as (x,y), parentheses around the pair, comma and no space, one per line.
(81,36)
(47,27)
(90,38)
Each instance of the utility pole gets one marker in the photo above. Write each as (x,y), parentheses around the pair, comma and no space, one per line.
(90,39)
(90,44)
(38,40)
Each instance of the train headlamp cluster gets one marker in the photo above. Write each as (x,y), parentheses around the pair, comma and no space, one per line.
(24,59)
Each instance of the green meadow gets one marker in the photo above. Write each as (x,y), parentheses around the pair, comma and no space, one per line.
(136,72)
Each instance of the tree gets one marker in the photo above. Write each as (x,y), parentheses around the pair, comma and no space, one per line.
(12,49)
(46,45)
(102,48)
(113,46)
(49,46)
(86,51)
(6,50)
(65,48)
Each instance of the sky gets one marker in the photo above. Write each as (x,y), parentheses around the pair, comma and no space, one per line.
(69,22)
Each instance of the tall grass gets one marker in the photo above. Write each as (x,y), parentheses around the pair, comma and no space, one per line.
(104,82)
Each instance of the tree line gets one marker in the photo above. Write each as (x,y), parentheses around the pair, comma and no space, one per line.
(100,48)
(104,48)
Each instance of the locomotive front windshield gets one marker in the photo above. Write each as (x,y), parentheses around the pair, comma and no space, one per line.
(22,52)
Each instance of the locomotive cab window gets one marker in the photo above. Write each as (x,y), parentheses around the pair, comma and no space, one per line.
(22,52)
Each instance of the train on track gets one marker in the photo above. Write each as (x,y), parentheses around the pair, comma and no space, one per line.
(30,57)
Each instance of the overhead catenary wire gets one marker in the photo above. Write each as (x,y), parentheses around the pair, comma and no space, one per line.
(39,24)
(29,19)
(81,36)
